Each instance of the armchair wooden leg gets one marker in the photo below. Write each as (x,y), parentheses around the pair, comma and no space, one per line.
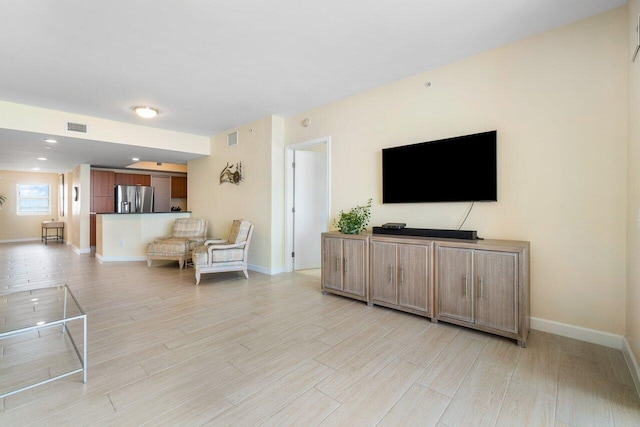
(149,263)
(246,275)
(197,277)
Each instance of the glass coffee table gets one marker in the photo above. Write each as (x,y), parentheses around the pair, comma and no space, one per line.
(34,310)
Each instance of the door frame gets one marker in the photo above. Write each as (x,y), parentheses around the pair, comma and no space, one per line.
(288,197)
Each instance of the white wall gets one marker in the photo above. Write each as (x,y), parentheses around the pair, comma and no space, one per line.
(559,103)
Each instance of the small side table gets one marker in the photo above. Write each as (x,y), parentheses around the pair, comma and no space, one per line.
(58,226)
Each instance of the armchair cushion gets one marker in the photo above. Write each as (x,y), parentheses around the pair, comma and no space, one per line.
(224,255)
(187,233)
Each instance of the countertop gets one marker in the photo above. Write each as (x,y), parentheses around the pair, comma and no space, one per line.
(138,213)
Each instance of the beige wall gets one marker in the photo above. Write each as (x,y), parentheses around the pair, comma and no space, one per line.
(559,103)
(252,199)
(14,227)
(79,219)
(632,333)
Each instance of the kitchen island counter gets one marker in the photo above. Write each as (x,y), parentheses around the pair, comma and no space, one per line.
(124,236)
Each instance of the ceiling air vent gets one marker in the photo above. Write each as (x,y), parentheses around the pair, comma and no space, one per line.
(76,127)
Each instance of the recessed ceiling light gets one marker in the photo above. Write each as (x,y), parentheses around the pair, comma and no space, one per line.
(42,158)
(135,159)
(51,141)
(146,112)
(35,169)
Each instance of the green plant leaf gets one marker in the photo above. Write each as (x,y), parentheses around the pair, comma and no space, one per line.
(354,221)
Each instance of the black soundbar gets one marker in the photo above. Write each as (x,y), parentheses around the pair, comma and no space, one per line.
(429,232)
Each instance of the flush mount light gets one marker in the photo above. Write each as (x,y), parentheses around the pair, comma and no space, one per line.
(51,141)
(135,159)
(42,158)
(146,112)
(35,169)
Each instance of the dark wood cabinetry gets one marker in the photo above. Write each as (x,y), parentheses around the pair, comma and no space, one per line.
(102,195)
(178,187)
(132,179)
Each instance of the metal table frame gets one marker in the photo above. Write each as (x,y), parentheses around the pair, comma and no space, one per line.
(50,225)
(63,322)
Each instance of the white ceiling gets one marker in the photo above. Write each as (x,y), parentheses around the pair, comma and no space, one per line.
(209,66)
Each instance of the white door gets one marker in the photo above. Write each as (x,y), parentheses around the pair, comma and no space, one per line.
(161,193)
(310,199)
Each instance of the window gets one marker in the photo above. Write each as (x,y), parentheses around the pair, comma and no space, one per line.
(34,199)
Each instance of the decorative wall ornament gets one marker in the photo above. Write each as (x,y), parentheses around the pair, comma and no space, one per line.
(229,175)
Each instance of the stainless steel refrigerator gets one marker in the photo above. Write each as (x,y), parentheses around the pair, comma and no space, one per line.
(133,198)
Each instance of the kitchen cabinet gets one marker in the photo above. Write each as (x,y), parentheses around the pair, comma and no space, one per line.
(101,187)
(132,179)
(401,274)
(345,264)
(178,187)
(484,286)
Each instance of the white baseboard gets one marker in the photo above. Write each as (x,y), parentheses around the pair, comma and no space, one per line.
(31,239)
(79,251)
(632,363)
(578,333)
(595,337)
(264,270)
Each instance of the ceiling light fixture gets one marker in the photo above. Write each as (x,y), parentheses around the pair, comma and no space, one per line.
(51,141)
(42,158)
(146,112)
(135,159)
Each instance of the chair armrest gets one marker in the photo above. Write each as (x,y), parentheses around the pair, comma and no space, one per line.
(214,241)
(212,248)
(162,238)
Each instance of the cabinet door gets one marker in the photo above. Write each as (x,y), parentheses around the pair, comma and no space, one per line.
(354,266)
(413,276)
(102,183)
(496,290)
(332,263)
(455,283)
(383,272)
(132,179)
(178,187)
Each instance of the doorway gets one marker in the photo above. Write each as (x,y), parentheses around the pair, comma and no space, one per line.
(307,202)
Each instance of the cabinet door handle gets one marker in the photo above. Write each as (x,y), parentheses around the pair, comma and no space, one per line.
(391,274)
(465,285)
(480,287)
(345,265)
(401,271)
(337,263)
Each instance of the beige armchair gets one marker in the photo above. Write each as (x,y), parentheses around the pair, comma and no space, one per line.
(187,233)
(224,255)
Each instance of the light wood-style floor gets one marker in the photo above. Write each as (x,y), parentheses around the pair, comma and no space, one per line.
(274,351)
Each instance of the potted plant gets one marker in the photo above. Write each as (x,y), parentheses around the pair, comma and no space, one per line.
(3,199)
(354,221)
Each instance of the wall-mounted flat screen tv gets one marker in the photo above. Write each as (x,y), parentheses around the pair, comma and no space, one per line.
(458,169)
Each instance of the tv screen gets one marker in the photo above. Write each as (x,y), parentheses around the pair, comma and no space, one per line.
(459,169)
